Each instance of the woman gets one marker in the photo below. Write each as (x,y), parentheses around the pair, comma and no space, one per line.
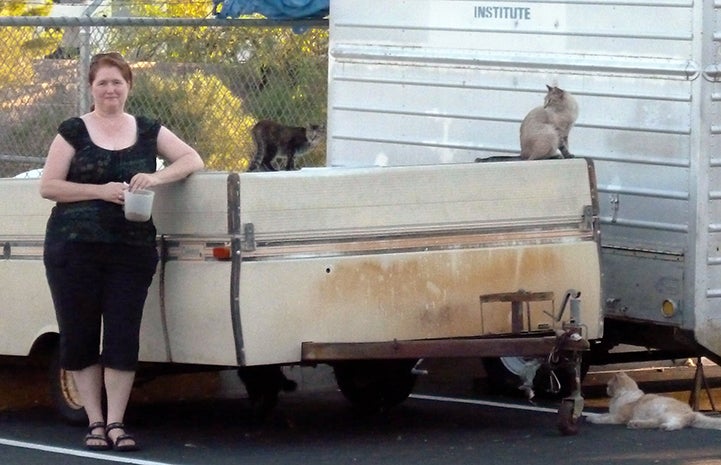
(99,265)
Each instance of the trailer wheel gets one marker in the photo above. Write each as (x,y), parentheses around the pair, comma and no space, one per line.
(64,394)
(375,385)
(501,380)
(568,424)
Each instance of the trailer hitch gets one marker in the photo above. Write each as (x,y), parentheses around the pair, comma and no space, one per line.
(571,299)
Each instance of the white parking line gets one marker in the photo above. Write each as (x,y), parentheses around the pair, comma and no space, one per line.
(78,453)
(458,400)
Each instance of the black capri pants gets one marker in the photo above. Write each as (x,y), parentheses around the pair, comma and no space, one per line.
(96,285)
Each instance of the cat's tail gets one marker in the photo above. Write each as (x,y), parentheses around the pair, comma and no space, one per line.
(704,421)
(498,158)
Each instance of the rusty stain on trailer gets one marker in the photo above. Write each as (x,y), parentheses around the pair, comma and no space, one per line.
(437,289)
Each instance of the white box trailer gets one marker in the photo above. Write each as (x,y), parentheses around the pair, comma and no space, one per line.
(447,81)
(365,269)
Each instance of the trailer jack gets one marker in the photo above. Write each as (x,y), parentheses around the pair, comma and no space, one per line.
(566,355)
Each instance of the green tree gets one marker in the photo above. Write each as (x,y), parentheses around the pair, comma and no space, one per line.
(25,125)
(21,45)
(187,104)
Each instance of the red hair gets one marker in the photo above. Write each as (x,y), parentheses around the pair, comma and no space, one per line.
(114,59)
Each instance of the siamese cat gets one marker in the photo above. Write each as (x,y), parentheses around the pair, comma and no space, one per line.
(274,140)
(544,130)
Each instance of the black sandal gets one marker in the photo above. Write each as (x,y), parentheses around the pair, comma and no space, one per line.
(132,444)
(92,439)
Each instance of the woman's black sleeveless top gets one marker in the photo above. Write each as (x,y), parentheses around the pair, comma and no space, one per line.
(98,220)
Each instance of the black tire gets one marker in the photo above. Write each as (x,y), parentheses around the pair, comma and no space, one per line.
(374,386)
(63,392)
(500,380)
(568,424)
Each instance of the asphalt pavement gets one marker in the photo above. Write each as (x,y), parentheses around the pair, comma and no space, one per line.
(180,420)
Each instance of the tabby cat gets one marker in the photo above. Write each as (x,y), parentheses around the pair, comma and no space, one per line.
(274,140)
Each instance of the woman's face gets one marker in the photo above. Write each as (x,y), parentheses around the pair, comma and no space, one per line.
(109,89)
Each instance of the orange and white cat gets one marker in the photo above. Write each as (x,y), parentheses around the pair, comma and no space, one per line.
(632,407)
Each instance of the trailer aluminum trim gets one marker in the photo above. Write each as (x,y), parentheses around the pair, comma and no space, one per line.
(399,232)
(576,63)
(652,225)
(414,243)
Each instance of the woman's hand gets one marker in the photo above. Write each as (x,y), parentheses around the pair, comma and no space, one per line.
(114,192)
(143,181)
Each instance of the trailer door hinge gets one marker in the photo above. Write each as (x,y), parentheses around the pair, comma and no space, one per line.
(615,205)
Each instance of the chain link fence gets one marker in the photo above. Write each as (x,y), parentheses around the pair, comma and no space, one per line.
(208,80)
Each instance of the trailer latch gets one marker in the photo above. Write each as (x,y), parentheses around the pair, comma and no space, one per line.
(587,218)
(248,237)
